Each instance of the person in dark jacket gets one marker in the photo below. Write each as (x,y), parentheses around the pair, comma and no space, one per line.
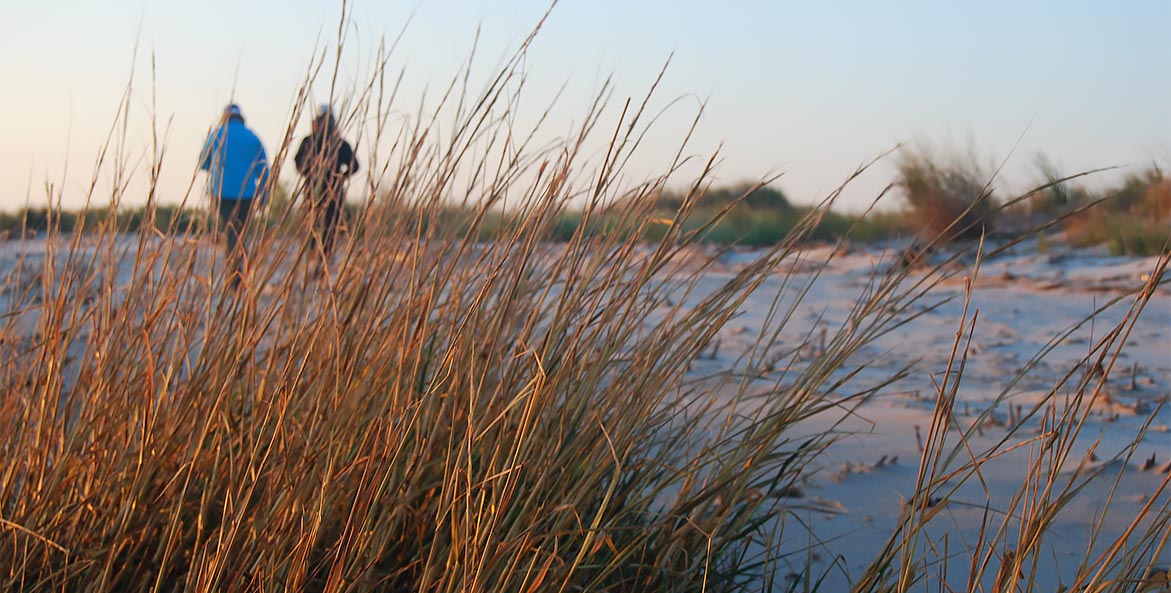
(237,168)
(325,160)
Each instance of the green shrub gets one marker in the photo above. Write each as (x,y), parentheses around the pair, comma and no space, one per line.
(1124,234)
(1132,219)
(122,219)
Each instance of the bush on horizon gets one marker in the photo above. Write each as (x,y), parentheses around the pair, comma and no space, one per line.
(949,198)
(122,219)
(756,217)
(1132,219)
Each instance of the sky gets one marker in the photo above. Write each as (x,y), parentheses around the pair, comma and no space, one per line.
(809,90)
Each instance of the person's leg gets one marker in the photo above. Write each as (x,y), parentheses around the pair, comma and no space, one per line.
(234,215)
(316,207)
(332,213)
(227,213)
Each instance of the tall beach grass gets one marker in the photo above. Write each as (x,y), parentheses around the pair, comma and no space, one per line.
(436,413)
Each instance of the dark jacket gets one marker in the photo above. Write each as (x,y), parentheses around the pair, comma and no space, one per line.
(326,160)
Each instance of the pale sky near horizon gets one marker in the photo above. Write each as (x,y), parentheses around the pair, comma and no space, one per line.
(809,89)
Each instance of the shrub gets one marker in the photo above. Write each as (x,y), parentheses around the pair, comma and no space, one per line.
(947,200)
(1132,219)
(1058,195)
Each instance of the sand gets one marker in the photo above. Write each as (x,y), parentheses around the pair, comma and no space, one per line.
(1021,301)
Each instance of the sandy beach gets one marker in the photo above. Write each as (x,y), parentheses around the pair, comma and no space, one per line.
(1023,305)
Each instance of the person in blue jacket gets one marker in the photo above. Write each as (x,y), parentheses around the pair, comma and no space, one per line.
(237,169)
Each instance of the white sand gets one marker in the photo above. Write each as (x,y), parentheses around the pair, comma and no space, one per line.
(1021,300)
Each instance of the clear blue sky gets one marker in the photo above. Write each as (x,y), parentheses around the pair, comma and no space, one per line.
(808,88)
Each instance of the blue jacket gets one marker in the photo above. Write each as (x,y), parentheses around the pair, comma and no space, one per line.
(235,161)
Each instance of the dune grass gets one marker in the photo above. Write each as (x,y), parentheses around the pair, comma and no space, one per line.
(437,413)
